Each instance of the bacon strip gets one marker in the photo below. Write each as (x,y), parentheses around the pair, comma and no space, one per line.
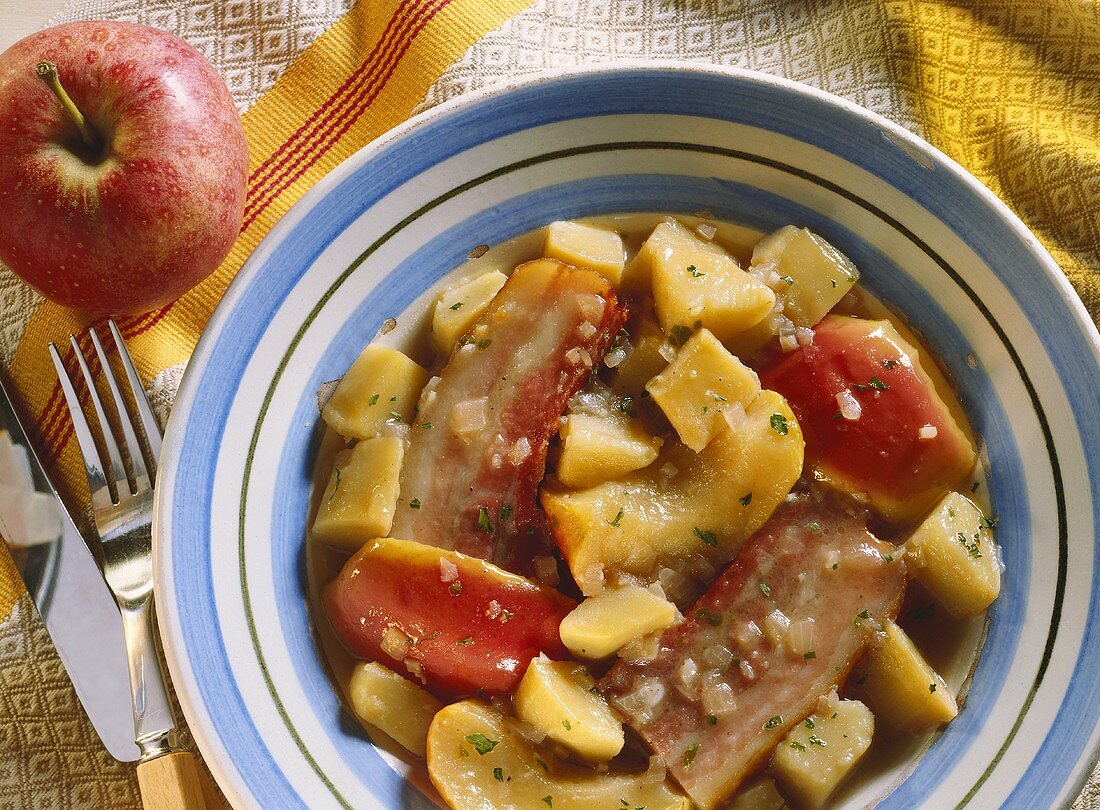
(477,449)
(732,658)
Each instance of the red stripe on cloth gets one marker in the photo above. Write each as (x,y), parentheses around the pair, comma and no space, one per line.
(344,122)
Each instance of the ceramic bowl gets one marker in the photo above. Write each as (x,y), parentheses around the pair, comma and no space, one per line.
(376,236)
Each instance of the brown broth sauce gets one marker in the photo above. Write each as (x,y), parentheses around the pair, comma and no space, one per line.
(950,645)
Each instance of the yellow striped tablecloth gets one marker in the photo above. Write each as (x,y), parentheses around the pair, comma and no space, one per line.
(1010,89)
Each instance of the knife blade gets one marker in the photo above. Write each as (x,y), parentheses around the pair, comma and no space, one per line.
(73,600)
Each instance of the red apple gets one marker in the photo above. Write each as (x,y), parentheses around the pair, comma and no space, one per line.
(128,211)
(454,623)
(903,448)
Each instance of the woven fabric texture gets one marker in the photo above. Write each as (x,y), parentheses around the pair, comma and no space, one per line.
(1010,90)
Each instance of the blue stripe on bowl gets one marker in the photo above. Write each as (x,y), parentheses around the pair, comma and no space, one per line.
(735,97)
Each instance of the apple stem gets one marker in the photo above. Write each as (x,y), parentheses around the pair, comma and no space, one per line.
(47,71)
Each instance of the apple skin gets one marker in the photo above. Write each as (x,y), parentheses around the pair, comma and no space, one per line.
(458,644)
(880,457)
(152,215)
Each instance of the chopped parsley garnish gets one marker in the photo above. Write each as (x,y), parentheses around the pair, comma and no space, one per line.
(974,487)
(863,614)
(706,409)
(787,279)
(467,640)
(626,407)
(764,589)
(815,526)
(482,345)
(971,545)
(689,755)
(414,503)
(456,306)
(373,400)
(498,774)
(712,618)
(393,398)
(425,425)
(336,485)
(815,740)
(808,723)
(797,746)
(745,499)
(707,537)
(779,424)
(833,282)
(694,272)
(615,520)
(988,523)
(775,721)
(712,720)
(809,656)
(719,398)
(679,335)
(888,558)
(567,724)
(482,744)
(889,363)
(548,801)
(931,688)
(455,587)
(483,521)
(877,384)
(542,764)
(950,512)
(505,512)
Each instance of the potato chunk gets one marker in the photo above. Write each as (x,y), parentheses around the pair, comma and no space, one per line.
(699,385)
(477,763)
(381,385)
(816,755)
(586,246)
(813,275)
(696,283)
(599,448)
(458,308)
(685,506)
(560,699)
(954,556)
(392,704)
(361,494)
(900,687)
(645,360)
(600,625)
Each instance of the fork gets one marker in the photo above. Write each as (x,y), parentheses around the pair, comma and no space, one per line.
(122,508)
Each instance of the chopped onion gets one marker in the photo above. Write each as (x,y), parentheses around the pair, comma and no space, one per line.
(324,393)
(641,650)
(675,584)
(415,668)
(546,571)
(804,334)
(801,636)
(395,644)
(586,330)
(746,669)
(573,356)
(849,406)
(493,610)
(448,571)
(688,672)
(469,417)
(928,432)
(668,471)
(734,414)
(394,428)
(717,656)
(788,343)
(614,357)
(667,351)
(525,730)
(776,624)
(591,307)
(706,231)
(519,451)
(586,358)
(718,697)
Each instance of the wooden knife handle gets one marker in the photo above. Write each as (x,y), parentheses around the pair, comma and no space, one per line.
(170,782)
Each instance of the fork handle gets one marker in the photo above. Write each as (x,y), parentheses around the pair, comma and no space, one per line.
(170,782)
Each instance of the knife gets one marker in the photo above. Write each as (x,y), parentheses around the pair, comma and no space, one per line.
(73,600)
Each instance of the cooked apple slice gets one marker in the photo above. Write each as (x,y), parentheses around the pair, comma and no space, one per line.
(477,762)
(808,274)
(875,425)
(599,448)
(685,508)
(781,627)
(361,494)
(559,699)
(454,623)
(601,625)
(586,246)
(383,699)
(477,449)
(458,308)
(381,386)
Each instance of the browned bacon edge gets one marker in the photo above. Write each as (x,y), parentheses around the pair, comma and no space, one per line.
(809,561)
(526,356)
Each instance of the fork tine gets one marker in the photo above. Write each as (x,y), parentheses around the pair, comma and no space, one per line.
(113,454)
(137,462)
(93,466)
(145,411)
